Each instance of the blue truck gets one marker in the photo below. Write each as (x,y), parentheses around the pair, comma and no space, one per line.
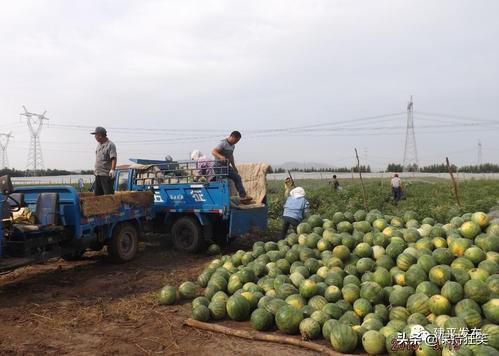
(184,206)
(191,209)
(59,228)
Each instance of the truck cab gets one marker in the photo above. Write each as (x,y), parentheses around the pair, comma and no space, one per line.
(44,222)
(194,206)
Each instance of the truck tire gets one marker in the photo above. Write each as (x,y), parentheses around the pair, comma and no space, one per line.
(124,243)
(187,234)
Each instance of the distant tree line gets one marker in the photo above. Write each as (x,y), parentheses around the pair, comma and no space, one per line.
(363,169)
(44,172)
(442,168)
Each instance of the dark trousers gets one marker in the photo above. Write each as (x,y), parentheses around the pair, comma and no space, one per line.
(222,169)
(397,193)
(286,223)
(104,185)
(236,178)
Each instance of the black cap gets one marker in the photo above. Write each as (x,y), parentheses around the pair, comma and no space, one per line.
(99,130)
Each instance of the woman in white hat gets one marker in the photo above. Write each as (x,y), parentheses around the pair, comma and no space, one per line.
(295,209)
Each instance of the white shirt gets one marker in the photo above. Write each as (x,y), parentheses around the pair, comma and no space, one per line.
(395,182)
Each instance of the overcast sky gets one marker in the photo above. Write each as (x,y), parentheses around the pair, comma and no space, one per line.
(205,68)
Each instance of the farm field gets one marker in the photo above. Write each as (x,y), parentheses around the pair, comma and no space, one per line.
(94,307)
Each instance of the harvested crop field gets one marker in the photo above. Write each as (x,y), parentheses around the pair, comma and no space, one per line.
(94,307)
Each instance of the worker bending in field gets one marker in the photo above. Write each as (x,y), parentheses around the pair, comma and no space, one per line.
(295,209)
(396,188)
(105,163)
(224,156)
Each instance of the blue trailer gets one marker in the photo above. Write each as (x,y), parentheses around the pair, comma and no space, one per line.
(191,209)
(59,229)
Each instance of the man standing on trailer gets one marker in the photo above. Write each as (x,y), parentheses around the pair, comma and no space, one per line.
(105,163)
(224,155)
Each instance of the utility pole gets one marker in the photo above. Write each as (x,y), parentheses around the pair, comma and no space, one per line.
(479,155)
(410,149)
(4,142)
(35,125)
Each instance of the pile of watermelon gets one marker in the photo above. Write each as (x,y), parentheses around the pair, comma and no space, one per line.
(361,278)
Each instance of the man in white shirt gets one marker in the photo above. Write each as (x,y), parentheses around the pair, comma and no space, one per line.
(396,188)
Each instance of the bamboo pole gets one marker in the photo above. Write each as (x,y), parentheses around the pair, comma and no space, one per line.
(361,181)
(260,336)
(454,183)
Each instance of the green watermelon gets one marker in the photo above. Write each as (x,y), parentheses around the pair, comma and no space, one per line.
(491,310)
(218,309)
(439,305)
(167,295)
(288,319)
(262,320)
(477,290)
(310,329)
(373,342)
(201,313)
(453,291)
(343,338)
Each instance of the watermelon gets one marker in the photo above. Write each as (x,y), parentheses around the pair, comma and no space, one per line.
(238,308)
(415,275)
(371,291)
(428,288)
(478,273)
(362,307)
(333,310)
(213,249)
(440,274)
(262,320)
(167,295)
(342,252)
(469,229)
(309,329)
(200,301)
(320,316)
(477,290)
(308,288)
(418,303)
(343,338)
(491,310)
(405,260)
(472,318)
(218,309)
(332,294)
(350,292)
(296,301)
(201,313)
(327,327)
(475,254)
(480,218)
(439,305)
(453,291)
(288,319)
(317,302)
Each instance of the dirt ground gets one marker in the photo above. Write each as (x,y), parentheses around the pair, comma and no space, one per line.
(93,307)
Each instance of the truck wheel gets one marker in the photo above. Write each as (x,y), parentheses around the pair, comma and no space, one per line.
(124,243)
(187,234)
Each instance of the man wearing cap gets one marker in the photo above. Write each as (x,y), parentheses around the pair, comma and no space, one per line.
(105,163)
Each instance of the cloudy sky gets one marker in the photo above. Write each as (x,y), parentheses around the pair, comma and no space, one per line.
(303,81)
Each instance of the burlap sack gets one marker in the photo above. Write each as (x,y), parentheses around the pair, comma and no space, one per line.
(254,178)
